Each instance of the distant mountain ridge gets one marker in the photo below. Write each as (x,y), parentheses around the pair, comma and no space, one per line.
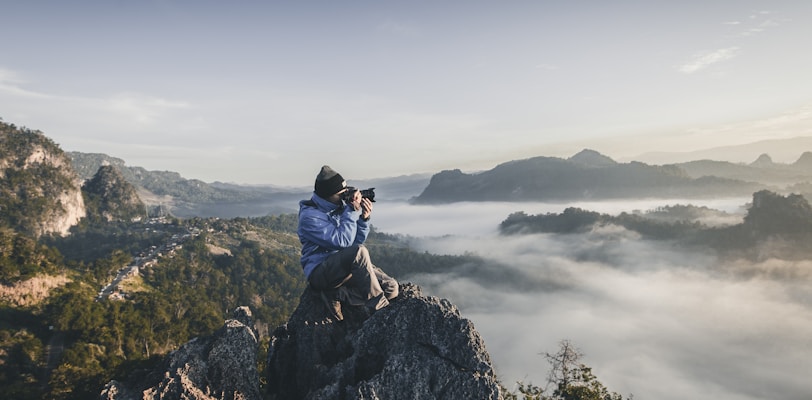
(162,183)
(41,193)
(763,170)
(586,175)
(778,149)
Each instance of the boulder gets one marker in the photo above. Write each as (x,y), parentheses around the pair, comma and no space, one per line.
(221,366)
(416,348)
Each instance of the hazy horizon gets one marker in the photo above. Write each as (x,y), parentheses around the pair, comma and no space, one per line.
(652,320)
(267,92)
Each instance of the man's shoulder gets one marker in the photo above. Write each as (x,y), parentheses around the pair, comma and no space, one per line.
(310,209)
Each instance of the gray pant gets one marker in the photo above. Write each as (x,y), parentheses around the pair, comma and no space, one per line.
(350,275)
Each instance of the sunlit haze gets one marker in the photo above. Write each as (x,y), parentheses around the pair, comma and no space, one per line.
(267,92)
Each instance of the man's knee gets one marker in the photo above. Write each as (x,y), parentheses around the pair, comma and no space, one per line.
(362,255)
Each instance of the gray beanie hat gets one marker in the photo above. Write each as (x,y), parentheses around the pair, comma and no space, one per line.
(329,182)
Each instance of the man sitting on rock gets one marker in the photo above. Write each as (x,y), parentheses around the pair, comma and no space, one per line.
(333,226)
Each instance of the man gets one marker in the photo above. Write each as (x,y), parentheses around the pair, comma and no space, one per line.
(332,229)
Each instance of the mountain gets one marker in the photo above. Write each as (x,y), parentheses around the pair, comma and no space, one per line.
(186,198)
(194,198)
(780,149)
(804,162)
(763,170)
(592,158)
(160,183)
(419,347)
(763,161)
(587,175)
(111,198)
(39,191)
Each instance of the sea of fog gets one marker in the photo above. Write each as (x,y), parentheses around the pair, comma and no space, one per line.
(651,320)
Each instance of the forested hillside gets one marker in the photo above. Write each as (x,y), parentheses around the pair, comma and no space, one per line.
(186,294)
(774,226)
(109,197)
(39,192)
(115,289)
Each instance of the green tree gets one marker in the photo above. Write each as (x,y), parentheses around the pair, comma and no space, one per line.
(569,378)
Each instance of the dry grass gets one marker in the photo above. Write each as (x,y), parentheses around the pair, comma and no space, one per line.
(32,291)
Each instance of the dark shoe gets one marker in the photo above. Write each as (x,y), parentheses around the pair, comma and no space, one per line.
(333,306)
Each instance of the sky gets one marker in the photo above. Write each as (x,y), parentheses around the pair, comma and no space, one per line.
(652,320)
(265,92)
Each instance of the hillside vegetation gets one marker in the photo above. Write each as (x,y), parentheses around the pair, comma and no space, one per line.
(116,291)
(774,226)
(39,192)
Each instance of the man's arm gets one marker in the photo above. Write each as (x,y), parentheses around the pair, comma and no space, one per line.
(319,228)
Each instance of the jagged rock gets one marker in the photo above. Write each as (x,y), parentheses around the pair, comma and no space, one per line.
(39,190)
(417,348)
(221,366)
(111,197)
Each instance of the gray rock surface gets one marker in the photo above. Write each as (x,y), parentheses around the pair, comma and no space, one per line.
(417,348)
(221,366)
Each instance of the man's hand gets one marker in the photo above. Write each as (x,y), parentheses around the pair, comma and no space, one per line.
(366,208)
(360,203)
(355,203)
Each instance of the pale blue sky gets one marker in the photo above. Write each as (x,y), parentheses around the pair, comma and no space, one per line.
(267,92)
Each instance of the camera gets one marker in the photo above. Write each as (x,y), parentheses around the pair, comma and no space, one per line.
(365,193)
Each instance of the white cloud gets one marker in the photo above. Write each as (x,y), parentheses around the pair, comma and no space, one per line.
(652,320)
(12,82)
(141,108)
(702,61)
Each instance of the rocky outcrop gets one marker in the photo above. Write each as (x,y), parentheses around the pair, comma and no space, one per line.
(39,191)
(222,366)
(111,197)
(417,348)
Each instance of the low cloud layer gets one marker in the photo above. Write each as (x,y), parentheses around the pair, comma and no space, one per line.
(653,321)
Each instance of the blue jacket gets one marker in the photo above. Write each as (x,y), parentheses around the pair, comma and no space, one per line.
(325,228)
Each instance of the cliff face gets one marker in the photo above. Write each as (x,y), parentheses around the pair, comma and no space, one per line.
(417,348)
(39,191)
(111,197)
